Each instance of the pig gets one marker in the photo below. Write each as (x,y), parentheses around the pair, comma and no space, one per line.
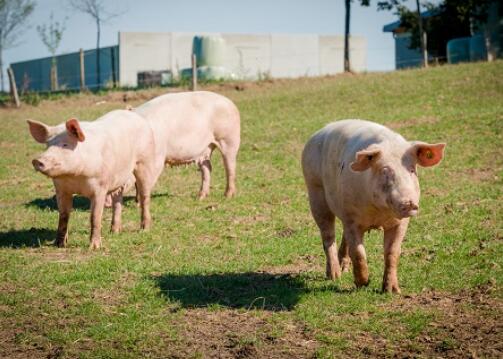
(94,159)
(188,126)
(364,174)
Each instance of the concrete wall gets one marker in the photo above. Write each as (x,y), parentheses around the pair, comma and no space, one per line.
(247,56)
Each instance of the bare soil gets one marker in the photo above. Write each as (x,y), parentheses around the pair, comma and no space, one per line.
(236,334)
(468,324)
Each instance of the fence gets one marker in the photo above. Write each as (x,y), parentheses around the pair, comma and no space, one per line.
(35,75)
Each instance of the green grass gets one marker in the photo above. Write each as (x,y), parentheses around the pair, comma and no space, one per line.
(258,255)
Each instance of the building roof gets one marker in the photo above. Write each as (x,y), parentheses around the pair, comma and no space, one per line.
(393,26)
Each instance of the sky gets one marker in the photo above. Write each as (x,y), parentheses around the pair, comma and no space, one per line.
(225,16)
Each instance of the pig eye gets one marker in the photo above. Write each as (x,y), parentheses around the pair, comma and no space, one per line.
(65,145)
(413,171)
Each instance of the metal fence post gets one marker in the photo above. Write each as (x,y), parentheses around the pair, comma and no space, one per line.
(194,72)
(82,71)
(13,87)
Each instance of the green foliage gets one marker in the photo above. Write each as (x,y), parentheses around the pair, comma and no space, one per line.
(254,265)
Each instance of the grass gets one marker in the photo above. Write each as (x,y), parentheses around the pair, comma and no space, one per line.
(244,277)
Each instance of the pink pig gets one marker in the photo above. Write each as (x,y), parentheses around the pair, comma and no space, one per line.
(187,128)
(365,175)
(94,159)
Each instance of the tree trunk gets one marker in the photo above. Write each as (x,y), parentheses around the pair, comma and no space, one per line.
(347,66)
(54,75)
(98,69)
(2,87)
(422,36)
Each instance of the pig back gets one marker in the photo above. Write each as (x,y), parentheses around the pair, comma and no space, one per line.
(184,124)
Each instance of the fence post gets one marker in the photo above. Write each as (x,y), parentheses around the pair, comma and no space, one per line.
(114,76)
(13,87)
(82,71)
(194,72)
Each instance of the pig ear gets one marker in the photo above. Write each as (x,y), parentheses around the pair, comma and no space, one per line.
(73,128)
(427,154)
(364,159)
(39,131)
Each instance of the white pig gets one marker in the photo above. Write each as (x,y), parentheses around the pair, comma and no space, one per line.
(94,159)
(365,175)
(188,126)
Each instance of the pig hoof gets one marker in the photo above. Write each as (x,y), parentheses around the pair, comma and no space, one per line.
(362,283)
(391,288)
(333,276)
(230,193)
(116,229)
(345,265)
(145,226)
(95,245)
(60,244)
(202,195)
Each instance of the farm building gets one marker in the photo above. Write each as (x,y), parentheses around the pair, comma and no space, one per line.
(237,56)
(484,43)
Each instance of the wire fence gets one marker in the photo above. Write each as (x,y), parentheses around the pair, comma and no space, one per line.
(240,63)
(35,75)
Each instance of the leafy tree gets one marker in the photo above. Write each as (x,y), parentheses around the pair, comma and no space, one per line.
(13,17)
(96,10)
(347,3)
(51,36)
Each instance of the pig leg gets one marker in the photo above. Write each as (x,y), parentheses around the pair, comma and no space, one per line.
(344,259)
(393,238)
(325,220)
(144,187)
(108,201)
(97,204)
(116,212)
(205,168)
(229,154)
(65,204)
(354,240)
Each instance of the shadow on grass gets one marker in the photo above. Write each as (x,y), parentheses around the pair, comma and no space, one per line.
(33,237)
(79,202)
(51,204)
(237,290)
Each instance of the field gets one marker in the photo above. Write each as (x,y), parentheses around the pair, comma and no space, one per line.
(244,278)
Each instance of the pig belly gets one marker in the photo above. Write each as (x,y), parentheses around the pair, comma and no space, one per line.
(188,150)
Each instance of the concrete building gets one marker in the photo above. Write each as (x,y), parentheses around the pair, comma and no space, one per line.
(247,56)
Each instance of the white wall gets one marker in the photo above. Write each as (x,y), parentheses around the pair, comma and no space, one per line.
(248,56)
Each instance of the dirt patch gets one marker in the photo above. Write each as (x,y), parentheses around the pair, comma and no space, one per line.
(413,122)
(303,264)
(482,174)
(465,325)
(236,334)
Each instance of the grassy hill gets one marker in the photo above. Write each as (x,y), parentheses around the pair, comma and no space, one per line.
(245,277)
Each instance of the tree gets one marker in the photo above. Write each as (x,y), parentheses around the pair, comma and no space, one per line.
(347,64)
(462,17)
(410,20)
(13,15)
(96,10)
(51,36)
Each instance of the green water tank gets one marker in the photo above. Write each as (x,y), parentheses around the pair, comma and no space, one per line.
(458,50)
(209,50)
(478,50)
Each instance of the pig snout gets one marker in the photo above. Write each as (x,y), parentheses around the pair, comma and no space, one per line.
(44,165)
(38,165)
(408,208)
